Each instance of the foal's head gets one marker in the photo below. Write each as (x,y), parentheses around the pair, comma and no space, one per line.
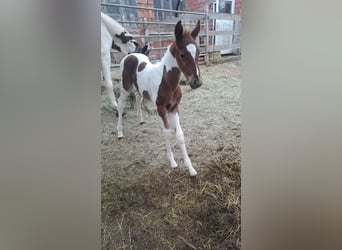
(187,53)
(143,50)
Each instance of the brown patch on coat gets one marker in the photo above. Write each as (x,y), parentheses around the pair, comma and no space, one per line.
(146,95)
(141,66)
(129,75)
(169,94)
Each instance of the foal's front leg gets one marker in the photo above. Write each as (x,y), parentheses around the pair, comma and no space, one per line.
(174,119)
(167,135)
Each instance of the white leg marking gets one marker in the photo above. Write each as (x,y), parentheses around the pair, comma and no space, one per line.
(169,154)
(174,120)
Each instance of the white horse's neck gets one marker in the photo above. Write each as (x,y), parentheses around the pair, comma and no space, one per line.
(168,60)
(113,26)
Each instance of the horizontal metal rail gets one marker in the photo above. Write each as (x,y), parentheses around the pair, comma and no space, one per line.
(160,23)
(153,9)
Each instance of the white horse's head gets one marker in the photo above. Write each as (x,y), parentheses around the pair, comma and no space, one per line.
(123,40)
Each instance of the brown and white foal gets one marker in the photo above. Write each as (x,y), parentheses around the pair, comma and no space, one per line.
(159,83)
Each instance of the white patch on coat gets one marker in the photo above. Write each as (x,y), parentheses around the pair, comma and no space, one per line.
(169,61)
(192,49)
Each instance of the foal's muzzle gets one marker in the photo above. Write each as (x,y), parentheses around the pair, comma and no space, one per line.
(195,83)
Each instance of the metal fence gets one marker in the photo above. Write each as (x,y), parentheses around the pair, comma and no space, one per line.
(150,25)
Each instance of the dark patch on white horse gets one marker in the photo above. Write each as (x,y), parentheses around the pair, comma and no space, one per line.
(124,39)
(116,47)
(138,49)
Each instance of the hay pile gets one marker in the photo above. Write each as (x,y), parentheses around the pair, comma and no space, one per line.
(166,210)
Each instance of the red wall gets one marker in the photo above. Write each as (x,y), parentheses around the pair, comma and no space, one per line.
(199,5)
(237,7)
(196,5)
(149,15)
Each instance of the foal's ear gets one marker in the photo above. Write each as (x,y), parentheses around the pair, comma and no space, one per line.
(179,31)
(146,49)
(195,31)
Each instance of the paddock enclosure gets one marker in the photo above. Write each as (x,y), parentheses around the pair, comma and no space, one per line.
(220,32)
(145,203)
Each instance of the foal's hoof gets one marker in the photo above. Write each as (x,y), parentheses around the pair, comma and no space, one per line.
(193,172)
(174,164)
(143,122)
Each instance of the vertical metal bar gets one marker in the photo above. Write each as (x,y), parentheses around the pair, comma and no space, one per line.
(160,45)
(206,57)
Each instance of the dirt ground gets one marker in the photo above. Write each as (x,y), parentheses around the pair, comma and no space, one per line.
(148,205)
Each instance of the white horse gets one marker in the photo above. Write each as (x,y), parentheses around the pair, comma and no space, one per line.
(113,35)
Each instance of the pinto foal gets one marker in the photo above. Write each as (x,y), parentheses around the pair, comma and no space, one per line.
(159,83)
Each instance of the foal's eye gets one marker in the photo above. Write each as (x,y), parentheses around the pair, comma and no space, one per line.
(181,55)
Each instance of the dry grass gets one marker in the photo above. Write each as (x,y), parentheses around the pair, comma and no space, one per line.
(167,210)
(148,205)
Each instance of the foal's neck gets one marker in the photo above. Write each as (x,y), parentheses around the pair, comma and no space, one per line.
(169,59)
(170,68)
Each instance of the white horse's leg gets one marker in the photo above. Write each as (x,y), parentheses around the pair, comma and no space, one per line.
(121,106)
(105,60)
(139,100)
(174,119)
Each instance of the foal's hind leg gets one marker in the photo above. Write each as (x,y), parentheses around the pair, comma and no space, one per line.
(105,60)
(139,100)
(121,106)
(174,119)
